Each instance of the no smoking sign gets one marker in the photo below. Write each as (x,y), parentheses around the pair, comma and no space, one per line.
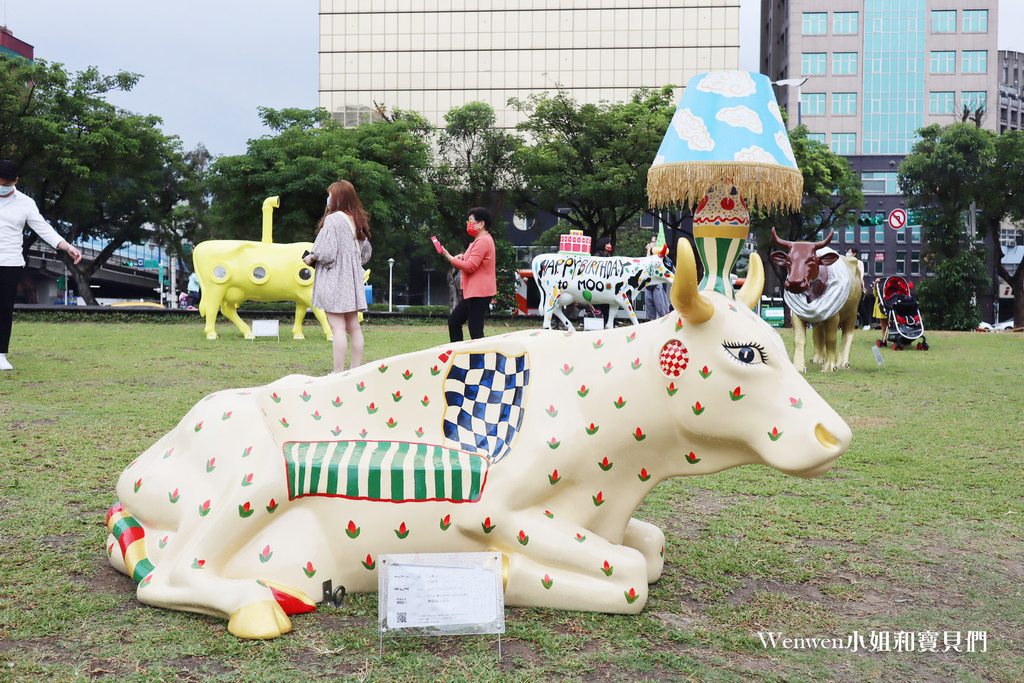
(897,219)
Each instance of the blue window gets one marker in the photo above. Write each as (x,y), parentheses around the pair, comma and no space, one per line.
(815,23)
(941,102)
(975,61)
(877,182)
(915,262)
(813,63)
(850,234)
(975,21)
(943,21)
(944,62)
(844,23)
(865,228)
(880,228)
(901,263)
(844,103)
(975,100)
(915,235)
(844,63)
(844,143)
(816,137)
(812,103)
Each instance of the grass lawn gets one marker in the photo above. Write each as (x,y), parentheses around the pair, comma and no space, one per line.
(919,528)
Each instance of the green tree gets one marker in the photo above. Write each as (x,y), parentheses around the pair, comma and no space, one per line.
(386,161)
(587,164)
(1001,200)
(944,176)
(474,166)
(95,171)
(832,195)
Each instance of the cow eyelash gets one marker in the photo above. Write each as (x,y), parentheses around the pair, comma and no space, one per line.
(746,355)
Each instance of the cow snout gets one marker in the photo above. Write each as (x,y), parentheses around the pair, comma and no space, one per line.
(797,286)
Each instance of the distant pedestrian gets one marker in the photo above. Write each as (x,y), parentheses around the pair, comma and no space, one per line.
(16,212)
(657,295)
(341,249)
(479,280)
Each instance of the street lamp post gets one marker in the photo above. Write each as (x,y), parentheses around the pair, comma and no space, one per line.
(391,268)
(798,84)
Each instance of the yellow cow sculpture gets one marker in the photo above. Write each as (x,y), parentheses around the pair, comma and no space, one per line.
(233,271)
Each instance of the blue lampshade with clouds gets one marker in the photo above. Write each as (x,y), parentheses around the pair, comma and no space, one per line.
(727,127)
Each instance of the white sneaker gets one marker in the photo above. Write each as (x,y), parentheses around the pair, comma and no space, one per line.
(4,363)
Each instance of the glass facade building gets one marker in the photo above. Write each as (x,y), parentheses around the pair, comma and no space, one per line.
(433,55)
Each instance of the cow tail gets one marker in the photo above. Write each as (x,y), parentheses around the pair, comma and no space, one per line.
(131,539)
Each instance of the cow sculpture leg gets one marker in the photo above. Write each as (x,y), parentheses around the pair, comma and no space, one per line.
(799,344)
(300,316)
(825,340)
(650,541)
(230,311)
(556,306)
(607,577)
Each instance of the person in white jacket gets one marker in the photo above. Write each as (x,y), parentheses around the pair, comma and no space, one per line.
(16,212)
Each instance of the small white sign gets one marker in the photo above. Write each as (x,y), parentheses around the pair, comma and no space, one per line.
(266,328)
(897,219)
(878,355)
(441,593)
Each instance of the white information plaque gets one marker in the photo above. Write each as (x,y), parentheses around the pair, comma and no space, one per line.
(440,594)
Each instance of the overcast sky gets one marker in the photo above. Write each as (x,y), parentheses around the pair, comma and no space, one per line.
(207,65)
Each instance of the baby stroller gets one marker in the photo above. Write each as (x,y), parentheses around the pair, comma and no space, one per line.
(902,314)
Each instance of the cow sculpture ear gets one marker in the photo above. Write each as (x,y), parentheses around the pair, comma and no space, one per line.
(753,286)
(686,298)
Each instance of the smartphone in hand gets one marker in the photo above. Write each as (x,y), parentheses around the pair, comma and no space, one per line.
(437,244)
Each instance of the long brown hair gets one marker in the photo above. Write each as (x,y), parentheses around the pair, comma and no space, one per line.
(343,197)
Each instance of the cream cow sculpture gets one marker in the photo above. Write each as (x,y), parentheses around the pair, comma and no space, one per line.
(540,445)
(233,271)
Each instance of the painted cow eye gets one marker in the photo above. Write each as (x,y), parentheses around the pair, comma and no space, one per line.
(748,354)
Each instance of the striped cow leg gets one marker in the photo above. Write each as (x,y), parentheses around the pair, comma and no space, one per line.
(188,576)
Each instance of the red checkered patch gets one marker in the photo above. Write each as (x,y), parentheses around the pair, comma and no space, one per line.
(673,358)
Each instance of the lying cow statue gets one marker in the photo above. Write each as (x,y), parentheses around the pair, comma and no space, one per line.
(822,289)
(564,279)
(537,444)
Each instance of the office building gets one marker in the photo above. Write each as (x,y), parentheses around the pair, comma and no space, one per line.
(1010,70)
(433,55)
(13,47)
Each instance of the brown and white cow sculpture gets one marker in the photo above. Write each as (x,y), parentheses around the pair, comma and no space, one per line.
(823,290)
(538,444)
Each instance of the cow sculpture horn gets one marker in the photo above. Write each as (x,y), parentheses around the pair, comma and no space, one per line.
(686,298)
(753,286)
(817,245)
(779,241)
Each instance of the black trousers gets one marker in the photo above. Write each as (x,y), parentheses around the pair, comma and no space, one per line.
(9,278)
(472,310)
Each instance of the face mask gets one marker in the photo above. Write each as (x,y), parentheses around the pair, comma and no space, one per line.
(6,190)
(472,229)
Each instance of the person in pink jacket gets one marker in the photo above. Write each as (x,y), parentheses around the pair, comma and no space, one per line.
(479,281)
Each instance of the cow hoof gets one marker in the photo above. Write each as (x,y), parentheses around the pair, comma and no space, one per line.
(259,621)
(212,335)
(298,336)
(250,335)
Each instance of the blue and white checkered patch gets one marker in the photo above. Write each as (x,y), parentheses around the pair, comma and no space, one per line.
(485,395)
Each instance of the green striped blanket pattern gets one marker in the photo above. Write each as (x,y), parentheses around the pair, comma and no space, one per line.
(391,471)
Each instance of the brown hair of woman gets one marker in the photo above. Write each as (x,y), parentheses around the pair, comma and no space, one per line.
(342,197)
